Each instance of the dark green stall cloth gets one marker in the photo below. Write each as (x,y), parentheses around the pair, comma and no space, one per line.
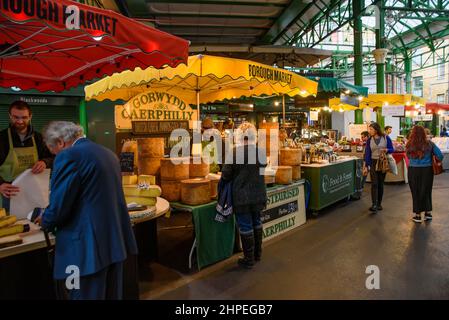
(330,182)
(214,240)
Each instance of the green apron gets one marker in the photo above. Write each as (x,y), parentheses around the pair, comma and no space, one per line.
(209,153)
(17,160)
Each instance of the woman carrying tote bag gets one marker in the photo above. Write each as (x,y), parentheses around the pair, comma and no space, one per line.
(377,146)
(421,151)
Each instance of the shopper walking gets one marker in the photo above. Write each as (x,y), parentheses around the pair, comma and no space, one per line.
(420,151)
(377,145)
(249,194)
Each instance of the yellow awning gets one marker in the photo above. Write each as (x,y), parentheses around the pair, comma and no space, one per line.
(337,105)
(204,79)
(379,100)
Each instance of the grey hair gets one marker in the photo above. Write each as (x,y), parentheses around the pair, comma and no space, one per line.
(61,130)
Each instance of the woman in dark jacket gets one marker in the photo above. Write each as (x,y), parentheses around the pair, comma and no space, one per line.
(420,173)
(248,192)
(377,144)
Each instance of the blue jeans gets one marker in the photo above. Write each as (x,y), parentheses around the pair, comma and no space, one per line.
(249,221)
(363,181)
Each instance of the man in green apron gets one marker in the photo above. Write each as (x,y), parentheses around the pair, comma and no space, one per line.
(21,148)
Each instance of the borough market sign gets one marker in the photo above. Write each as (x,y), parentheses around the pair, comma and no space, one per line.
(57,14)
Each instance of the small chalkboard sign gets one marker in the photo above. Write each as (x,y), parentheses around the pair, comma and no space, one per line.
(127,161)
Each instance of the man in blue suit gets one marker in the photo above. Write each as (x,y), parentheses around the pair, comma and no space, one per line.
(88,211)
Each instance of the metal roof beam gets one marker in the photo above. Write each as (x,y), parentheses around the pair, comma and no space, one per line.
(285,20)
(215,2)
(423,10)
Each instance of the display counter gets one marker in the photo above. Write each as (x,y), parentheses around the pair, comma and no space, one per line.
(330,182)
(285,210)
(25,272)
(214,241)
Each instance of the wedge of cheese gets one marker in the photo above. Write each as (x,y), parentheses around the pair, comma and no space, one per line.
(146,179)
(144,196)
(135,191)
(2,212)
(127,180)
(144,201)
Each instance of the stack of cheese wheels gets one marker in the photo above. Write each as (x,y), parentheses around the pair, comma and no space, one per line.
(214,179)
(195,191)
(198,168)
(284,175)
(150,152)
(291,157)
(145,196)
(173,170)
(271,129)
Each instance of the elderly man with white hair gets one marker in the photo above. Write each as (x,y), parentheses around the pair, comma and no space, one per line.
(89,213)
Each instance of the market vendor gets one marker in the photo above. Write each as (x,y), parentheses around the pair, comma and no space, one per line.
(209,144)
(21,148)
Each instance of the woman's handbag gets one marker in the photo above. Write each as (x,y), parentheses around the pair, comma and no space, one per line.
(437,165)
(382,164)
(392,164)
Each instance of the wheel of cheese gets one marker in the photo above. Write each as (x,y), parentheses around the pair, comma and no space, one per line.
(175,168)
(198,170)
(214,179)
(284,175)
(195,191)
(149,166)
(296,172)
(171,190)
(150,147)
(290,157)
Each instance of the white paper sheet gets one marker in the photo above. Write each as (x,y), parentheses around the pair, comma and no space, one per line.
(34,193)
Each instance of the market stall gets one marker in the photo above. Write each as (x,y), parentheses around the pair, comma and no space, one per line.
(330,182)
(214,240)
(19,282)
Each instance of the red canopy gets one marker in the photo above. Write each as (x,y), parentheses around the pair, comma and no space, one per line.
(435,107)
(59,44)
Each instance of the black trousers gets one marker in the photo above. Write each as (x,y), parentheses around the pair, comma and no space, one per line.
(107,284)
(420,180)
(377,184)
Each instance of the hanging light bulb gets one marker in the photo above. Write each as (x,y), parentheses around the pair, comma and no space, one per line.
(341,110)
(276,103)
(360,98)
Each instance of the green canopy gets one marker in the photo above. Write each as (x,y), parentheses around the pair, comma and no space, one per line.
(336,86)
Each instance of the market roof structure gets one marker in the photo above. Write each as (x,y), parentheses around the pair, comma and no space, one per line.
(408,24)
